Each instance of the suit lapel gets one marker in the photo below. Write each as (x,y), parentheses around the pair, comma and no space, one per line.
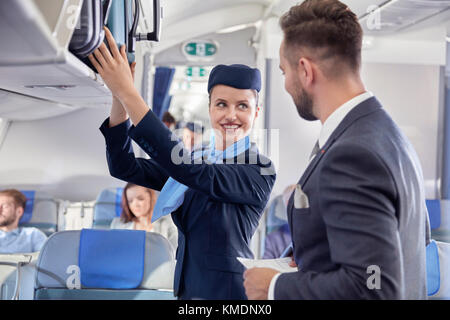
(364,108)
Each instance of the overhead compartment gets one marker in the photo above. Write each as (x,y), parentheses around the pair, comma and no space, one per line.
(397,15)
(35,61)
(17,107)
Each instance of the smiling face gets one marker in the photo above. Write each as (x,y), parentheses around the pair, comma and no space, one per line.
(139,201)
(232,113)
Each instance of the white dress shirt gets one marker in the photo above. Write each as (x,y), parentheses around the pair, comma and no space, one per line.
(330,124)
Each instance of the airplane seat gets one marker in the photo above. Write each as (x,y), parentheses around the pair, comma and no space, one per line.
(439,214)
(41,212)
(17,274)
(275,221)
(276,214)
(107,207)
(438,270)
(93,264)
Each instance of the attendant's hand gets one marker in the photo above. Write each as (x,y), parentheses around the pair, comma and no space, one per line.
(133,69)
(257,282)
(113,67)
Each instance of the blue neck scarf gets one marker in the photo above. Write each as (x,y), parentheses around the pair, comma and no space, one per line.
(172,194)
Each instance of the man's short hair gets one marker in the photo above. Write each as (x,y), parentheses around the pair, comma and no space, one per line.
(329,29)
(167,117)
(19,198)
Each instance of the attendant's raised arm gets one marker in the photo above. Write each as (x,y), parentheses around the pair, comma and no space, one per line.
(118,112)
(115,71)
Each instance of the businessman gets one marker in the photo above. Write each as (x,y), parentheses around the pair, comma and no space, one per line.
(358,218)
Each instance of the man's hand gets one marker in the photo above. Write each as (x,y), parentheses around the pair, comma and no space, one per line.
(257,282)
(292,263)
(113,67)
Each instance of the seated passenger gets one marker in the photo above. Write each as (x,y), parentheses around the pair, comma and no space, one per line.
(12,238)
(137,210)
(168,120)
(192,135)
(276,242)
(279,238)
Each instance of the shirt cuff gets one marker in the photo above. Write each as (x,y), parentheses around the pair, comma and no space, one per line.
(271,293)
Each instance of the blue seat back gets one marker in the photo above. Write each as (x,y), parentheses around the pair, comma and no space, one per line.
(107,207)
(59,273)
(434,212)
(276,214)
(439,214)
(41,211)
(112,259)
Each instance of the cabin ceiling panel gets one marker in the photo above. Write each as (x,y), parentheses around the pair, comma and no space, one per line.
(208,22)
(187,19)
(233,47)
(359,7)
(175,10)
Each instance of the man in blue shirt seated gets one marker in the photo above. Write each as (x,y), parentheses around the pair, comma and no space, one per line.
(12,238)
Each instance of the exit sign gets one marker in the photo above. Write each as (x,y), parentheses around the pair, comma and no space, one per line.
(200,49)
(195,72)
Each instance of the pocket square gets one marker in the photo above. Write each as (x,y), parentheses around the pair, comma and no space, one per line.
(300,198)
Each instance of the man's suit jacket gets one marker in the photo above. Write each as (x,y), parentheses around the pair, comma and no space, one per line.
(220,211)
(365,210)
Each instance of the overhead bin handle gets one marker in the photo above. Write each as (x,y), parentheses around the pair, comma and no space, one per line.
(106,7)
(132,33)
(157,15)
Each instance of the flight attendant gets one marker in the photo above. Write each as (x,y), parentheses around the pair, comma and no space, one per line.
(216,195)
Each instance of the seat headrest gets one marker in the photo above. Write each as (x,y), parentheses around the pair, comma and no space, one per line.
(41,211)
(434,212)
(28,212)
(107,207)
(111,259)
(59,260)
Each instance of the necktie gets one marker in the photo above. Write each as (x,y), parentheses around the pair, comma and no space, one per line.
(314,151)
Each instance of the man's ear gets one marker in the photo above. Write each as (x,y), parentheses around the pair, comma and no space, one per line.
(305,71)
(19,213)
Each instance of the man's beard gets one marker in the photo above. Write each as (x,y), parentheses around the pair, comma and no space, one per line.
(304,104)
(4,222)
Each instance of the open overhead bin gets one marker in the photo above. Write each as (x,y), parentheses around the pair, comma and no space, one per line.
(34,53)
(34,59)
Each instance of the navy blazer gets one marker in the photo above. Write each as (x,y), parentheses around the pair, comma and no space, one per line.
(221,208)
(366,210)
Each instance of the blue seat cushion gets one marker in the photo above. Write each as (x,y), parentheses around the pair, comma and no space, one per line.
(111,259)
(433,269)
